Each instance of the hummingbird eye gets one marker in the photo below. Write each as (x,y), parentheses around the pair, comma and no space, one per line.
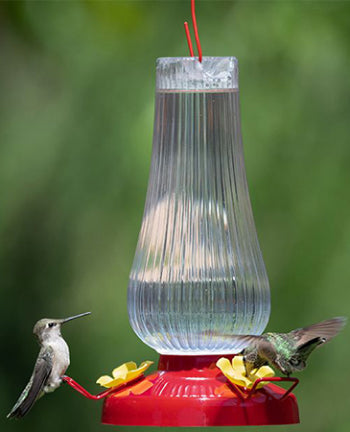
(51,324)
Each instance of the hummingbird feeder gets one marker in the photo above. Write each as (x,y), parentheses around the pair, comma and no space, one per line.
(198,274)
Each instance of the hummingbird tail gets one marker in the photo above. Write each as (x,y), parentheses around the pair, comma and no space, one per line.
(306,349)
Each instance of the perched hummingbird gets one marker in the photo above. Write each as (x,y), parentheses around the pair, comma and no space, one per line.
(51,364)
(288,352)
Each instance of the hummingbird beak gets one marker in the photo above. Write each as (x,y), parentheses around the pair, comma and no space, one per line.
(64,320)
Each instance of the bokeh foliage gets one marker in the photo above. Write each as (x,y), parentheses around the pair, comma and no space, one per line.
(76,113)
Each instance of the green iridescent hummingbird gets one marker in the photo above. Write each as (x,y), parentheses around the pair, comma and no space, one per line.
(288,352)
(51,364)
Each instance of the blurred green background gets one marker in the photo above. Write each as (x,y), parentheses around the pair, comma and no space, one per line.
(76,112)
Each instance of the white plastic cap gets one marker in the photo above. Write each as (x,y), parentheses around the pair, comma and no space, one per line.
(187,73)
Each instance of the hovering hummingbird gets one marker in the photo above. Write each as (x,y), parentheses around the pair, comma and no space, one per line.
(51,364)
(288,352)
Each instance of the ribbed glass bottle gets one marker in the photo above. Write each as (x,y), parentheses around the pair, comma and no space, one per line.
(198,273)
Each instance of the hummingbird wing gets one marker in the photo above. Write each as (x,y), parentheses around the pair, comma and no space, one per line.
(325,330)
(33,389)
(246,339)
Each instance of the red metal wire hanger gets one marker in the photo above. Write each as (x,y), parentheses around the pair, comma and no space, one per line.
(195,29)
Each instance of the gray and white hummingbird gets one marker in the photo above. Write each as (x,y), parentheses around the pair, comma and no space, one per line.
(288,352)
(50,366)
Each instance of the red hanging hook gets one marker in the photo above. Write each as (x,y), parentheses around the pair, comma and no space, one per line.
(195,28)
(188,37)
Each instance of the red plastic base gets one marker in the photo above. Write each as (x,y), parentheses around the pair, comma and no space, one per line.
(185,393)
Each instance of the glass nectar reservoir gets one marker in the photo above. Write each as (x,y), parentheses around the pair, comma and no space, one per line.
(198,277)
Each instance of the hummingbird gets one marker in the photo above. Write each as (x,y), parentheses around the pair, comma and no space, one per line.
(50,366)
(288,352)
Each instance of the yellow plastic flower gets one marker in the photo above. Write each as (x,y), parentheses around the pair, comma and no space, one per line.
(123,374)
(236,372)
